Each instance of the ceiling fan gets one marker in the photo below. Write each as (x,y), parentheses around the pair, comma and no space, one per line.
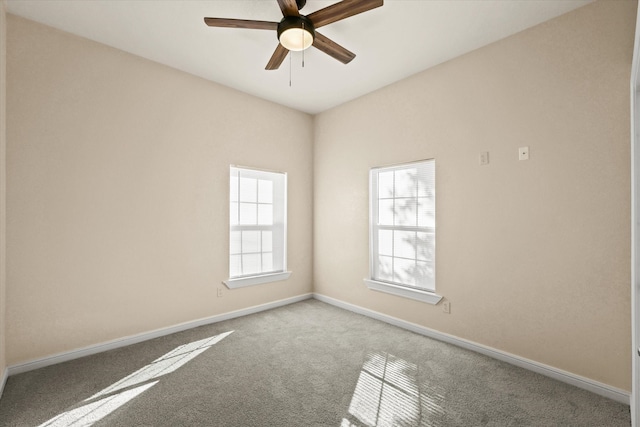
(298,32)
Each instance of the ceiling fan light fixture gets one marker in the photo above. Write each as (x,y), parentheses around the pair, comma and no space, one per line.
(296,32)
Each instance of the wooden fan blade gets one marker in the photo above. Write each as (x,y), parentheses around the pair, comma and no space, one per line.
(277,58)
(332,49)
(241,23)
(344,9)
(289,7)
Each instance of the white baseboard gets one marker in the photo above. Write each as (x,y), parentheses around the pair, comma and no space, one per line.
(3,380)
(134,339)
(596,387)
(601,389)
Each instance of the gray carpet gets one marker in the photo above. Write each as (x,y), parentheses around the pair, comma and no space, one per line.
(306,364)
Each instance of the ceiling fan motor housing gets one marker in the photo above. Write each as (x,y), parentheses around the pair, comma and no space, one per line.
(296,23)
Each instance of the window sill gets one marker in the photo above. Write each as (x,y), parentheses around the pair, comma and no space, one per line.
(416,294)
(241,282)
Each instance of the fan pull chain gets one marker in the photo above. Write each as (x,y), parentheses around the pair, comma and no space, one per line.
(290,55)
(302,33)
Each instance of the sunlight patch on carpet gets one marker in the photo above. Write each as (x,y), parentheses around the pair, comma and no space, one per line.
(93,412)
(387,394)
(165,364)
(128,388)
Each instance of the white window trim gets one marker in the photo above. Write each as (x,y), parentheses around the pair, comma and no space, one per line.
(262,278)
(404,291)
(422,295)
(241,282)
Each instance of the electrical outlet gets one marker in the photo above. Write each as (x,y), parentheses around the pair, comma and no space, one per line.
(219,292)
(446,307)
(523,153)
(484,158)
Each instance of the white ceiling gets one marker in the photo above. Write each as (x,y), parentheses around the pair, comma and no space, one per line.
(399,39)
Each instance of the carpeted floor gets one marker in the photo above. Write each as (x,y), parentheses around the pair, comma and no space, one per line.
(306,364)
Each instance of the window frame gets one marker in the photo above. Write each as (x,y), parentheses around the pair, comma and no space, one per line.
(387,286)
(278,226)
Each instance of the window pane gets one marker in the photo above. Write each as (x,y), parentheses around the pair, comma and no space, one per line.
(248,190)
(233,213)
(233,195)
(404,244)
(385,242)
(265,191)
(426,246)
(385,185)
(385,212)
(267,261)
(426,212)
(265,214)
(385,268)
(404,271)
(405,182)
(426,180)
(235,265)
(406,212)
(251,263)
(235,242)
(267,241)
(425,186)
(425,275)
(248,214)
(250,241)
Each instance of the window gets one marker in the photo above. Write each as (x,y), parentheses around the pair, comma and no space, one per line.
(257,224)
(403,230)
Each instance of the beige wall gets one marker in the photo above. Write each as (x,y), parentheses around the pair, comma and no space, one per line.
(534,256)
(118,192)
(3,145)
